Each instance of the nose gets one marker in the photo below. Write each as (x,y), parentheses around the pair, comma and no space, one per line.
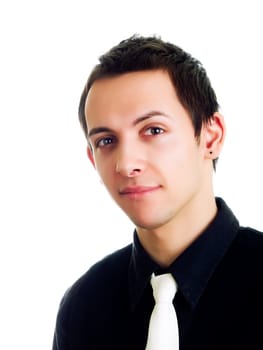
(129,161)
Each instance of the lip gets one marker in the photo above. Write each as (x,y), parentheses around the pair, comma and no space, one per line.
(137,191)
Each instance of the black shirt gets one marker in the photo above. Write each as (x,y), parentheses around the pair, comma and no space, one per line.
(218,304)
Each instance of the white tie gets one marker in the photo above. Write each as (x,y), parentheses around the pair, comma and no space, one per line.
(163,327)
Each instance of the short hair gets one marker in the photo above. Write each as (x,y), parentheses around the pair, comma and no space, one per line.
(187,74)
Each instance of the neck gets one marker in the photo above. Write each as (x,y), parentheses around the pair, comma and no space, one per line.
(164,244)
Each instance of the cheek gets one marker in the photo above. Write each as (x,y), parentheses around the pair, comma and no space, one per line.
(179,160)
(171,155)
(105,170)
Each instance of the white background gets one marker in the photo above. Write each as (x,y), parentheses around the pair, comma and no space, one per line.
(55,217)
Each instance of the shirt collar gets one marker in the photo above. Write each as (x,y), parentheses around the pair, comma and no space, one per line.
(140,270)
(194,267)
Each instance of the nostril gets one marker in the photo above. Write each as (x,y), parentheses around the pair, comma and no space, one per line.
(128,171)
(134,172)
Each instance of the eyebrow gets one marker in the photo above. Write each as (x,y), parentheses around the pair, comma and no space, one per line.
(137,121)
(99,130)
(149,115)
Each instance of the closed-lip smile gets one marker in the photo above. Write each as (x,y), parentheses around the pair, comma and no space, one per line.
(136,191)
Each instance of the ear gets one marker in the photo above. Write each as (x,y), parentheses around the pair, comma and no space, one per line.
(214,136)
(90,155)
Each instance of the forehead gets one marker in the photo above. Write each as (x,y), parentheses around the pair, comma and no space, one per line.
(130,94)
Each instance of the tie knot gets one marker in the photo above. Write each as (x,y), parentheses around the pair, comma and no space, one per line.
(164,287)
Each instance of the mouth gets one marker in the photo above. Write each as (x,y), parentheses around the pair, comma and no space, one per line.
(136,192)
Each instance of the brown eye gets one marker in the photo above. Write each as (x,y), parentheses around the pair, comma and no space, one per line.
(104,142)
(156,130)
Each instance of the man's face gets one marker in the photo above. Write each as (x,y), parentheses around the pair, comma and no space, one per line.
(144,149)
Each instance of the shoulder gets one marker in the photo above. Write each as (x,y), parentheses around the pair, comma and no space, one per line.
(245,256)
(249,240)
(102,278)
(88,305)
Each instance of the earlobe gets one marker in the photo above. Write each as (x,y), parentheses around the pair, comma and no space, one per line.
(90,155)
(214,136)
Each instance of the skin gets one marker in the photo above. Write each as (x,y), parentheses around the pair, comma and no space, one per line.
(142,143)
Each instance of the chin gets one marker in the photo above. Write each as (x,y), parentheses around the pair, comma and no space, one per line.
(148,225)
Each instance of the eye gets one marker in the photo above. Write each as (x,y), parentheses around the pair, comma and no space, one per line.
(105,141)
(154,130)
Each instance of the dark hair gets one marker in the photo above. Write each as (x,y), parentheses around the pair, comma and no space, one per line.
(187,74)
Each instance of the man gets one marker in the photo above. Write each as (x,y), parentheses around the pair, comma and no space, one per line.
(154,135)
